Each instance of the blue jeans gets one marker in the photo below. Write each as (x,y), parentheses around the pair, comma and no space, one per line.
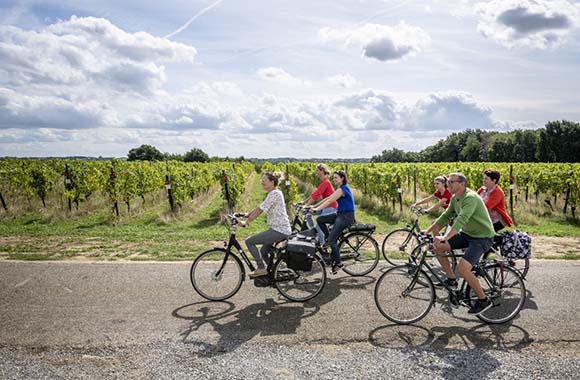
(310,221)
(340,221)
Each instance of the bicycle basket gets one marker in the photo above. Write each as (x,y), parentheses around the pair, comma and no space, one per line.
(516,245)
(300,254)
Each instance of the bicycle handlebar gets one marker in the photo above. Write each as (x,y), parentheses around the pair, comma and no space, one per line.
(417,211)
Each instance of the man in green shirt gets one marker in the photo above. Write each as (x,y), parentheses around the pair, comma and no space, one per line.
(472,230)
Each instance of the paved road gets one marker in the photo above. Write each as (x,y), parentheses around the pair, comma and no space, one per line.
(103,318)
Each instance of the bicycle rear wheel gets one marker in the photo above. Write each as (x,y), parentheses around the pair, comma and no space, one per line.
(506,289)
(399,244)
(216,275)
(360,253)
(402,297)
(299,286)
(521,266)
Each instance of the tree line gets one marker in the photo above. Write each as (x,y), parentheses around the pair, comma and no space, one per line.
(150,153)
(558,141)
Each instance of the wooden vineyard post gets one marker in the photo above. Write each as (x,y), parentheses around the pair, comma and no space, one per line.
(68,184)
(512,186)
(168,186)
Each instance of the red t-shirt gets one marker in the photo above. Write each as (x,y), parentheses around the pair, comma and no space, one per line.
(446,194)
(325,190)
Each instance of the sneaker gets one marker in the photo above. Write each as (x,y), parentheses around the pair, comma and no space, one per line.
(258,273)
(480,306)
(450,282)
(337,267)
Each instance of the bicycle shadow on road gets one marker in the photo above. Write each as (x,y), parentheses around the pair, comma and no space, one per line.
(462,352)
(217,327)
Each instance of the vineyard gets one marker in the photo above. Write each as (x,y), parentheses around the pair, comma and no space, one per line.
(548,184)
(53,209)
(68,183)
(71,182)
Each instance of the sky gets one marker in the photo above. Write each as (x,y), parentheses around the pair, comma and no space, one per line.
(277,78)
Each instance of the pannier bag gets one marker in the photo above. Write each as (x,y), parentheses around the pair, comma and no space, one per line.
(300,254)
(516,245)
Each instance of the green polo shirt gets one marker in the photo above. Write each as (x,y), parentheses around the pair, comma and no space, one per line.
(472,216)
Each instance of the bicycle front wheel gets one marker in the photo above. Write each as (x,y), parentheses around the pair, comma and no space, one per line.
(404,295)
(506,289)
(360,253)
(216,274)
(398,245)
(299,286)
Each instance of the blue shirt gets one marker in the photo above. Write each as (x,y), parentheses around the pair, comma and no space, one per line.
(346,202)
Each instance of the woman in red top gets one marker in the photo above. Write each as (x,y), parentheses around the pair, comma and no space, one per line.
(324,190)
(494,200)
(441,193)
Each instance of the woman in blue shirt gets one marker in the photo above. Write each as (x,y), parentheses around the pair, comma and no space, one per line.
(343,218)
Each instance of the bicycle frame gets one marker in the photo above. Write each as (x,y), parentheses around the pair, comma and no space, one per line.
(234,243)
(457,295)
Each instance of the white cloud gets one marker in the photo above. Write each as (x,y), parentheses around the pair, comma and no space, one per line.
(528,23)
(276,74)
(381,42)
(447,111)
(342,80)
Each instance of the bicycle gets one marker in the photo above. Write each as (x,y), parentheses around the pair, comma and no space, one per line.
(299,222)
(358,249)
(402,242)
(405,294)
(218,274)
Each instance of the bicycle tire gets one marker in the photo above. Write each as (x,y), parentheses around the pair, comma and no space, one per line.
(399,303)
(310,285)
(505,287)
(525,269)
(216,275)
(359,252)
(399,242)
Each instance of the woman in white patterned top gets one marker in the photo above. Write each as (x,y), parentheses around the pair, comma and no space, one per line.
(276,218)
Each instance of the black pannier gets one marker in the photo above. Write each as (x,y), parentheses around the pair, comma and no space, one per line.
(300,254)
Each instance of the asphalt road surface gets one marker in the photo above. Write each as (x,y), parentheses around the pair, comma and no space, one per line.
(144,320)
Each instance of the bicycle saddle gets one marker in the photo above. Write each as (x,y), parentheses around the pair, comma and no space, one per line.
(361,227)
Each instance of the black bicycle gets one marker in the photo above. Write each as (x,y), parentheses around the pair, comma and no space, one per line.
(358,249)
(218,274)
(400,243)
(299,222)
(404,294)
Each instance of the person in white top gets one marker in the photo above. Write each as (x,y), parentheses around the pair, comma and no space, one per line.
(276,218)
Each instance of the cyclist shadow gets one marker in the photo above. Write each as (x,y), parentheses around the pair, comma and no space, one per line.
(335,286)
(462,352)
(530,303)
(235,327)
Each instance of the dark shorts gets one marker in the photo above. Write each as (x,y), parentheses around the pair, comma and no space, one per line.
(476,247)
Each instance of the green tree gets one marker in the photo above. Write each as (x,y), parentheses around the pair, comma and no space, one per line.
(196,155)
(145,153)
(560,142)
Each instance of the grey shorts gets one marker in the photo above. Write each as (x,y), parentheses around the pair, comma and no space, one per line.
(476,247)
